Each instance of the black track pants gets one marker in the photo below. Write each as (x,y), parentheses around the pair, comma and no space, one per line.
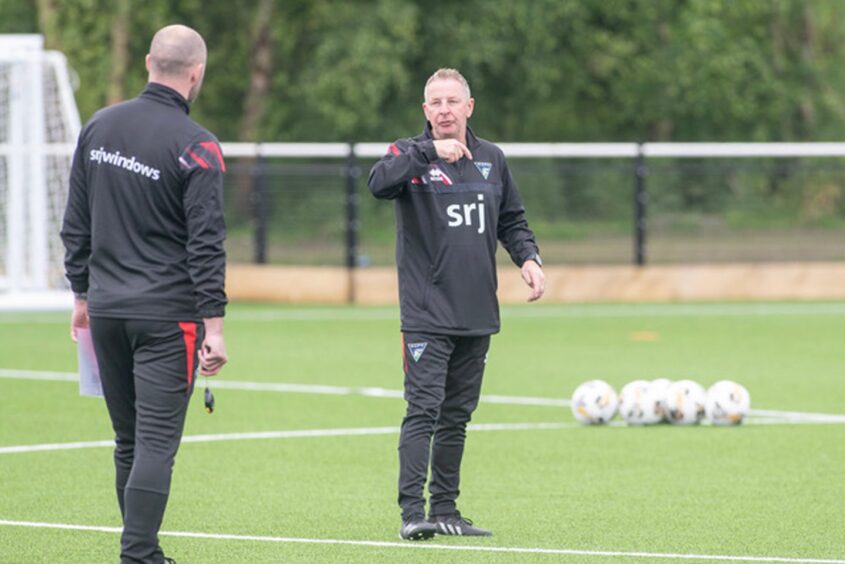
(148,370)
(442,384)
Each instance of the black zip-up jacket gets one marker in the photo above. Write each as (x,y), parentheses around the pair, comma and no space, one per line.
(143,229)
(448,218)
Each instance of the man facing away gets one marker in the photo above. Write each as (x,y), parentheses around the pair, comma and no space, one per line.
(454,197)
(143,232)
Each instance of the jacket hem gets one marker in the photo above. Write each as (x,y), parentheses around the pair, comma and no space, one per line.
(449,331)
(145,315)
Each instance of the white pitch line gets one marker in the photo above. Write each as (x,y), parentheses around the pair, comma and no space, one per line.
(799,415)
(373,392)
(766,421)
(56,446)
(39,375)
(292,434)
(376,392)
(432,546)
(351,432)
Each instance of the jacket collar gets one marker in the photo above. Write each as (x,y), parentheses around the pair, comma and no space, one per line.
(165,95)
(472,140)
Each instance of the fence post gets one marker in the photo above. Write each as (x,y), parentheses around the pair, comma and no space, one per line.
(259,210)
(352,225)
(640,204)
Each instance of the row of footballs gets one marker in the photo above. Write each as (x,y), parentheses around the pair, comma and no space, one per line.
(644,402)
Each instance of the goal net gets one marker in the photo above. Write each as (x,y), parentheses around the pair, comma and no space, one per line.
(39,123)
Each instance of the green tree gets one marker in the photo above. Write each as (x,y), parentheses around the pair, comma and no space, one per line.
(545,70)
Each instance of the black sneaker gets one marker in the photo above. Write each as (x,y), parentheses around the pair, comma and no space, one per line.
(417,528)
(454,524)
(169,560)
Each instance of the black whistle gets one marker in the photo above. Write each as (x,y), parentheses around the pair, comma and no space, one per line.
(209,400)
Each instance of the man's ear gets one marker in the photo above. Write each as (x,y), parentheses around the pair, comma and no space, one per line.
(197,74)
(148,63)
(471,104)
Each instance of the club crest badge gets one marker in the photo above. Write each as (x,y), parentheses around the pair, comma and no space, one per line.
(484,168)
(437,175)
(417,350)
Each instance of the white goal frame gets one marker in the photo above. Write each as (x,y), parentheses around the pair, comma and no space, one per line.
(33,142)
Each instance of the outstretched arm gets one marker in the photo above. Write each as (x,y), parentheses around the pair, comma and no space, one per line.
(404,161)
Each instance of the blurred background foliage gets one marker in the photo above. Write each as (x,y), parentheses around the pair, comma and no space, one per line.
(541,70)
(544,70)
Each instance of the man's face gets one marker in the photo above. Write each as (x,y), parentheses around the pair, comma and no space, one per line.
(447,108)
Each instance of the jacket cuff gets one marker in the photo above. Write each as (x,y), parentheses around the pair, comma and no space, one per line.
(530,255)
(208,312)
(428,150)
(79,287)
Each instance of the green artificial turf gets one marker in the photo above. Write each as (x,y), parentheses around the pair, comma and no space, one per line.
(757,490)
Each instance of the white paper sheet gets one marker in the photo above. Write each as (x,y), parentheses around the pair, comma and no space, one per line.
(89,372)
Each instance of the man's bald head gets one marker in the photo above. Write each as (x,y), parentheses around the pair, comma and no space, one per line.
(177,60)
(175,50)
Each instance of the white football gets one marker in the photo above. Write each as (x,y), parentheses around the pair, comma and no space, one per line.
(728,403)
(658,389)
(594,402)
(685,401)
(638,404)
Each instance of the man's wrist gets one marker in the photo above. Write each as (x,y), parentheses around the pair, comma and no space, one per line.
(213,325)
(80,296)
(536,258)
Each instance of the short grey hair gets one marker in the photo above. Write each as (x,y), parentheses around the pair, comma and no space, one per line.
(447,74)
(176,48)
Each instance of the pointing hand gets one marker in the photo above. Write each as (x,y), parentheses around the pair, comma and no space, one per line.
(451,150)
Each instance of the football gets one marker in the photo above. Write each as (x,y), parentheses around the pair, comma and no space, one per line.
(685,401)
(727,403)
(594,402)
(639,404)
(658,389)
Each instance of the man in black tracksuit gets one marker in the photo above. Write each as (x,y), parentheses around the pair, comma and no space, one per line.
(143,233)
(454,198)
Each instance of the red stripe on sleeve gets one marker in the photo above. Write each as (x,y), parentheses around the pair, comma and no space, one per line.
(214,149)
(198,159)
(189,333)
(394,149)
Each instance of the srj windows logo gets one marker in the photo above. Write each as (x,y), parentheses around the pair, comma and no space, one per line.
(129,163)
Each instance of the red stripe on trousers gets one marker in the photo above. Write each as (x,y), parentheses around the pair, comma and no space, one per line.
(189,332)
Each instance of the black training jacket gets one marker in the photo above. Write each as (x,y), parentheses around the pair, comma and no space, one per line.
(448,218)
(143,229)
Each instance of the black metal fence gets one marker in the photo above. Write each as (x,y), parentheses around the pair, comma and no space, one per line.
(640,210)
